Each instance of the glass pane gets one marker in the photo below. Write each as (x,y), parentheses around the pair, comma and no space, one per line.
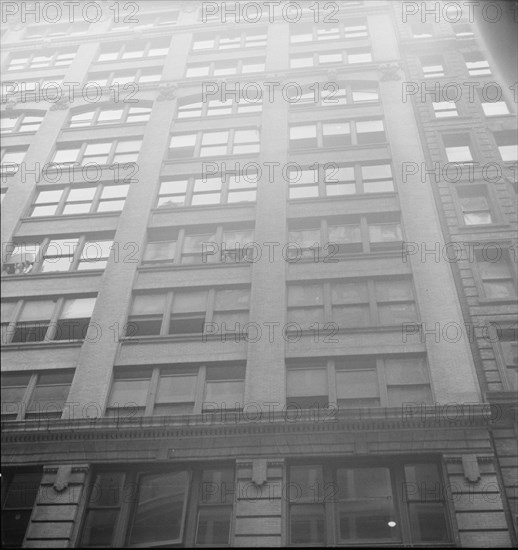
(307,382)
(147,304)
(399,395)
(160,510)
(428,522)
(78,308)
(127,393)
(114,191)
(185,302)
(307,524)
(214,525)
(394,290)
(366,504)
(37,310)
(22,491)
(406,371)
(349,293)
(176,389)
(423,482)
(99,528)
(300,295)
(232,299)
(224,394)
(356,384)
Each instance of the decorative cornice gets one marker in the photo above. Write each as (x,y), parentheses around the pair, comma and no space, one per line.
(390,71)
(231,424)
(167,92)
(62,104)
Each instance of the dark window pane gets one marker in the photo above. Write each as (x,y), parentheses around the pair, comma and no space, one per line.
(99,527)
(428,523)
(307,524)
(214,525)
(160,510)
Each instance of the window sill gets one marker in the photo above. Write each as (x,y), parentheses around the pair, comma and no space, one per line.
(33,219)
(481,227)
(482,301)
(173,338)
(228,156)
(52,275)
(204,207)
(333,199)
(50,344)
(169,266)
(339,149)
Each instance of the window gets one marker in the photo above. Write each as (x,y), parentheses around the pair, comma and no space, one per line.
(475,205)
(492,106)
(476,64)
(462,30)
(13,122)
(103,152)
(357,382)
(176,389)
(421,29)
(35,396)
(336,134)
(197,245)
(11,158)
(182,312)
(39,320)
(188,108)
(352,304)
(497,276)
(432,66)
(109,115)
(458,148)
(364,503)
(507,356)
(225,68)
(507,143)
(157,515)
(72,200)
(134,50)
(218,143)
(40,59)
(445,109)
(21,490)
(204,191)
(339,180)
(229,41)
(121,78)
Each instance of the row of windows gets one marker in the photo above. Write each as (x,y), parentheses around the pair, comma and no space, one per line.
(14,122)
(46,319)
(327,504)
(459,147)
(352,56)
(52,255)
(352,304)
(476,65)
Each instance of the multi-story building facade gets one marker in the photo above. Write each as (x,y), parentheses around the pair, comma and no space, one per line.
(230,311)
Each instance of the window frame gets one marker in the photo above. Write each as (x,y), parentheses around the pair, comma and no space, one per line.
(95,202)
(82,146)
(34,377)
(194,501)
(148,45)
(372,303)
(30,56)
(225,190)
(479,280)
(398,480)
(230,143)
(50,326)
(352,137)
(359,181)
(164,318)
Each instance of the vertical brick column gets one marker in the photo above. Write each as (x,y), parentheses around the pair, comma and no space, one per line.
(55,512)
(265,377)
(258,508)
(94,369)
